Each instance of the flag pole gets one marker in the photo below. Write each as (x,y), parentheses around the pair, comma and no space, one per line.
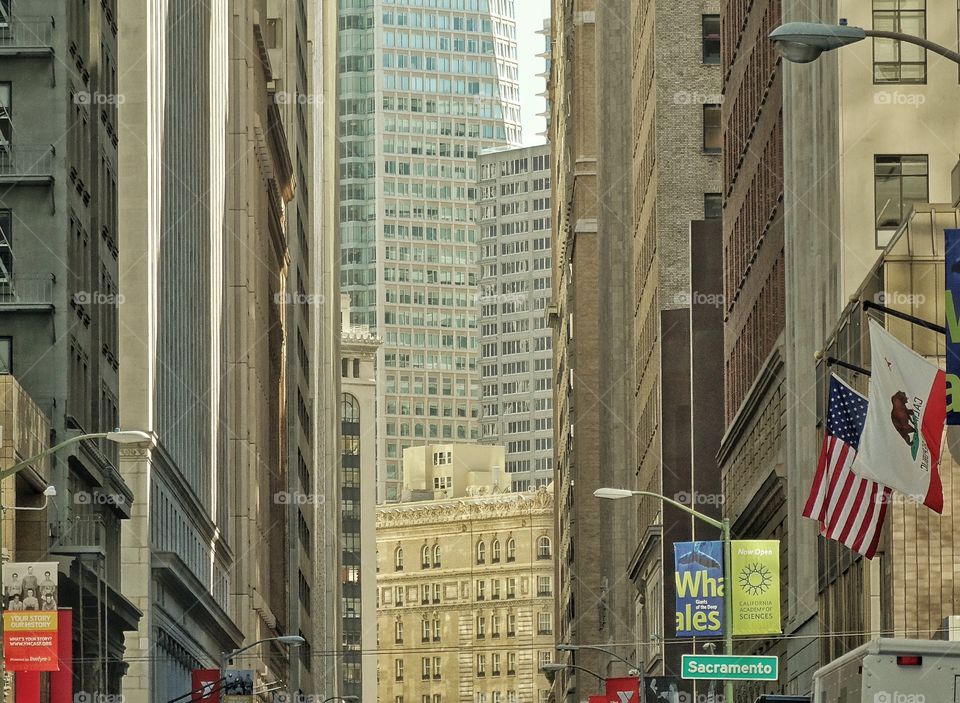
(834,361)
(912,319)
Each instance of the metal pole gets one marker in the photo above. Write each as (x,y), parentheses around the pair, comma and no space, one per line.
(919,41)
(727,606)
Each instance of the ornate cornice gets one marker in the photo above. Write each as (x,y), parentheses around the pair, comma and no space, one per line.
(430,512)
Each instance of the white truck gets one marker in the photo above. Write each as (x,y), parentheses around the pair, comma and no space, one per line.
(887,670)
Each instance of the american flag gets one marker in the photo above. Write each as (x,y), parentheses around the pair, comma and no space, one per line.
(849,509)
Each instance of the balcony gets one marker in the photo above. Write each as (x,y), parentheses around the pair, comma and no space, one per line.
(26,164)
(27,291)
(27,36)
(82,534)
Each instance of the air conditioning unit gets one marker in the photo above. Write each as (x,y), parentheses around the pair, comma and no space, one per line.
(949,629)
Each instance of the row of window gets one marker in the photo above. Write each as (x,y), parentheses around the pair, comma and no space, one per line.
(496,550)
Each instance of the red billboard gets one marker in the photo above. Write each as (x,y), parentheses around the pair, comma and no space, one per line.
(30,640)
(623,690)
(205,686)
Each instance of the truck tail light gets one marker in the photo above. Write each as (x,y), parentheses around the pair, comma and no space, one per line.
(909,660)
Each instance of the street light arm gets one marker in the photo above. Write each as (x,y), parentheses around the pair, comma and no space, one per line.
(583,668)
(919,41)
(575,647)
(19,466)
(696,513)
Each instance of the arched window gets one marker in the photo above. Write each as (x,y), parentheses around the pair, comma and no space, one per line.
(481,552)
(349,408)
(511,549)
(495,551)
(424,556)
(543,547)
(398,559)
(436,555)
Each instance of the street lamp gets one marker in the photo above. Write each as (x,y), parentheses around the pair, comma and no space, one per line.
(118,436)
(551,670)
(803,42)
(289,640)
(724,527)
(593,647)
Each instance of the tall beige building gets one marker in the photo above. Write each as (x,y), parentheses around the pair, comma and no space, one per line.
(466,599)
(229,358)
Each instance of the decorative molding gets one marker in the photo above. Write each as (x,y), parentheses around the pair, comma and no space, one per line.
(466,510)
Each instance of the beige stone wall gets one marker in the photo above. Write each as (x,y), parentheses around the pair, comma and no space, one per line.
(458,527)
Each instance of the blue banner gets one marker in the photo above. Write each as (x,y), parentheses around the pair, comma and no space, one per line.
(699,587)
(952,299)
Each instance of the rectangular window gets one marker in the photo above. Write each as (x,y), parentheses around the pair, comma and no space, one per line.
(6,355)
(711,38)
(544,623)
(6,112)
(712,129)
(712,206)
(5,14)
(398,669)
(895,61)
(6,246)
(899,182)
(481,665)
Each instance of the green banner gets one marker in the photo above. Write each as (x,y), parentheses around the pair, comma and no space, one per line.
(755,586)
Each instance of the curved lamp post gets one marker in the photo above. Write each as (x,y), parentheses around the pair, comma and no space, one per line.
(289,640)
(803,42)
(724,527)
(595,648)
(551,670)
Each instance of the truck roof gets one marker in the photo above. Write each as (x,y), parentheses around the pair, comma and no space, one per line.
(893,645)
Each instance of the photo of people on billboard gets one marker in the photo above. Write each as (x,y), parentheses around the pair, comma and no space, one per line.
(30,585)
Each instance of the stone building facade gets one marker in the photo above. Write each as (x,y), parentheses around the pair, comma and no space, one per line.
(466,599)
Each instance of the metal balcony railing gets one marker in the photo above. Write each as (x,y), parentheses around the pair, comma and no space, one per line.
(79,534)
(26,35)
(27,289)
(26,162)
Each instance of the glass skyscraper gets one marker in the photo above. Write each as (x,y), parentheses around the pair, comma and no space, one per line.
(424,86)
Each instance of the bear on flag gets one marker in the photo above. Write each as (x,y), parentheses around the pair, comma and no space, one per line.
(900,444)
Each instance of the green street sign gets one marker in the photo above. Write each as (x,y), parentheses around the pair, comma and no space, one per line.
(717,666)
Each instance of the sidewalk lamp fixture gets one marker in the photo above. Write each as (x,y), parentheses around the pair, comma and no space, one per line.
(803,42)
(595,648)
(290,640)
(724,527)
(551,670)
(118,437)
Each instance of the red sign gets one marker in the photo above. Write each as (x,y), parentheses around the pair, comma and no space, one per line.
(623,690)
(597,699)
(205,686)
(30,640)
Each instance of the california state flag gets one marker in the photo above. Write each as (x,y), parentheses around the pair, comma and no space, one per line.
(900,444)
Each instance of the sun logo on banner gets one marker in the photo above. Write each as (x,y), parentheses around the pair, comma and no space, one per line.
(755,579)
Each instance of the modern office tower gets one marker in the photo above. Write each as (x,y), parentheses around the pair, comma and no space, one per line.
(516,344)
(676,147)
(422,91)
(59,297)
(466,597)
(211,287)
(592,319)
(358,553)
